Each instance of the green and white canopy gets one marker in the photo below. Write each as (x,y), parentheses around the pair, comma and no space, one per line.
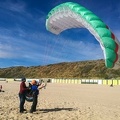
(72,15)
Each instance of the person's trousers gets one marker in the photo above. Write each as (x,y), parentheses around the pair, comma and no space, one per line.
(34,103)
(22,101)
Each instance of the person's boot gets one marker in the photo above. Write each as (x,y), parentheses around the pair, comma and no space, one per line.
(31,111)
(24,110)
(21,111)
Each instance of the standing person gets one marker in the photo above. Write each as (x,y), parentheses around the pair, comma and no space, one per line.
(0,88)
(35,89)
(22,93)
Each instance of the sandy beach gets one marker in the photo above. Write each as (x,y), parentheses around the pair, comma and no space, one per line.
(63,102)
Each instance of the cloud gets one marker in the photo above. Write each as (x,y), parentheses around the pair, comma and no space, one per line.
(45,48)
(13,6)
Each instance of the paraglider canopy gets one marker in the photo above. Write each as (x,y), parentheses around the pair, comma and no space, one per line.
(72,15)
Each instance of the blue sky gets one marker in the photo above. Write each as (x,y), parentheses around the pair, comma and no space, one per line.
(24,40)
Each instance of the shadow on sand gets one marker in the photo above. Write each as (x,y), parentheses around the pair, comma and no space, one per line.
(56,109)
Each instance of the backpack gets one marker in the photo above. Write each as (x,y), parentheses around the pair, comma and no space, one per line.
(31,92)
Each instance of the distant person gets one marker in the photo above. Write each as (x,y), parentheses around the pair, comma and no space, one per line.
(22,94)
(111,85)
(0,88)
(35,91)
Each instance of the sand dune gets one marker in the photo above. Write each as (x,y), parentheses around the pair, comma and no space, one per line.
(63,102)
